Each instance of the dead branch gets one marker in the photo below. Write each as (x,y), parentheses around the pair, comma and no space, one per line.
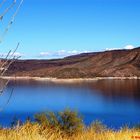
(1,4)
(10,57)
(12,18)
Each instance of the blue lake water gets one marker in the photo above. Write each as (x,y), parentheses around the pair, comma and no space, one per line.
(114,102)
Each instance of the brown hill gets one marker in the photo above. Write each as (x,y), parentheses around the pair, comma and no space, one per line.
(116,63)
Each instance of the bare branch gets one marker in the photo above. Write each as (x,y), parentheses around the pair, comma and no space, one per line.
(1,4)
(7,9)
(6,61)
(12,18)
(10,58)
(7,102)
(4,86)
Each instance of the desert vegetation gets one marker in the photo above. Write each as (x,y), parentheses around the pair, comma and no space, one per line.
(66,125)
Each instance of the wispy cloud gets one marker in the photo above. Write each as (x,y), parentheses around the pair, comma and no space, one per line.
(16,54)
(110,49)
(127,47)
(60,53)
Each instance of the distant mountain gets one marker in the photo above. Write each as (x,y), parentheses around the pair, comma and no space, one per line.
(115,63)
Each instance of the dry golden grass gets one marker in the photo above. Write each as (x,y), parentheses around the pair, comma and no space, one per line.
(30,131)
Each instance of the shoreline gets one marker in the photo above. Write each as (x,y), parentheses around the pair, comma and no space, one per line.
(68,79)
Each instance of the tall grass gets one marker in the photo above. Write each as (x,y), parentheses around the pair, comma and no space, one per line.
(65,125)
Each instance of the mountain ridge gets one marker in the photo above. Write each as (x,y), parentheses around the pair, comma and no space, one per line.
(115,63)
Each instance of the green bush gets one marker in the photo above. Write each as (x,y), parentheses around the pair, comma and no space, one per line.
(67,121)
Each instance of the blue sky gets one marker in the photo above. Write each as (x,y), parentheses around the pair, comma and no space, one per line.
(55,28)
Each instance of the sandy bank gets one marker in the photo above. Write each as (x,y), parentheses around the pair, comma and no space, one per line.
(69,80)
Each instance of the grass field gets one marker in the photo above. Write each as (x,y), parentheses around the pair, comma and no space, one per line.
(65,125)
(34,132)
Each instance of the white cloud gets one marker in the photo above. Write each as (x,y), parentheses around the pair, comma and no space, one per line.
(44,54)
(110,49)
(129,47)
(60,53)
(16,54)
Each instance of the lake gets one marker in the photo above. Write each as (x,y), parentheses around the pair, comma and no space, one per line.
(114,102)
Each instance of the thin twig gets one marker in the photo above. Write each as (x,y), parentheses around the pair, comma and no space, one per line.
(11,20)
(7,9)
(3,88)
(11,93)
(1,4)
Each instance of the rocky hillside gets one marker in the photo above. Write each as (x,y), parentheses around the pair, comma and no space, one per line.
(116,63)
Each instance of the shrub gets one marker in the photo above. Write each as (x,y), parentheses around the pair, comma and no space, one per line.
(67,121)
(98,127)
(137,127)
(70,122)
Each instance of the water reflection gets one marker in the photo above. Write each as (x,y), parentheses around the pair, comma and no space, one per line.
(116,102)
(111,88)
